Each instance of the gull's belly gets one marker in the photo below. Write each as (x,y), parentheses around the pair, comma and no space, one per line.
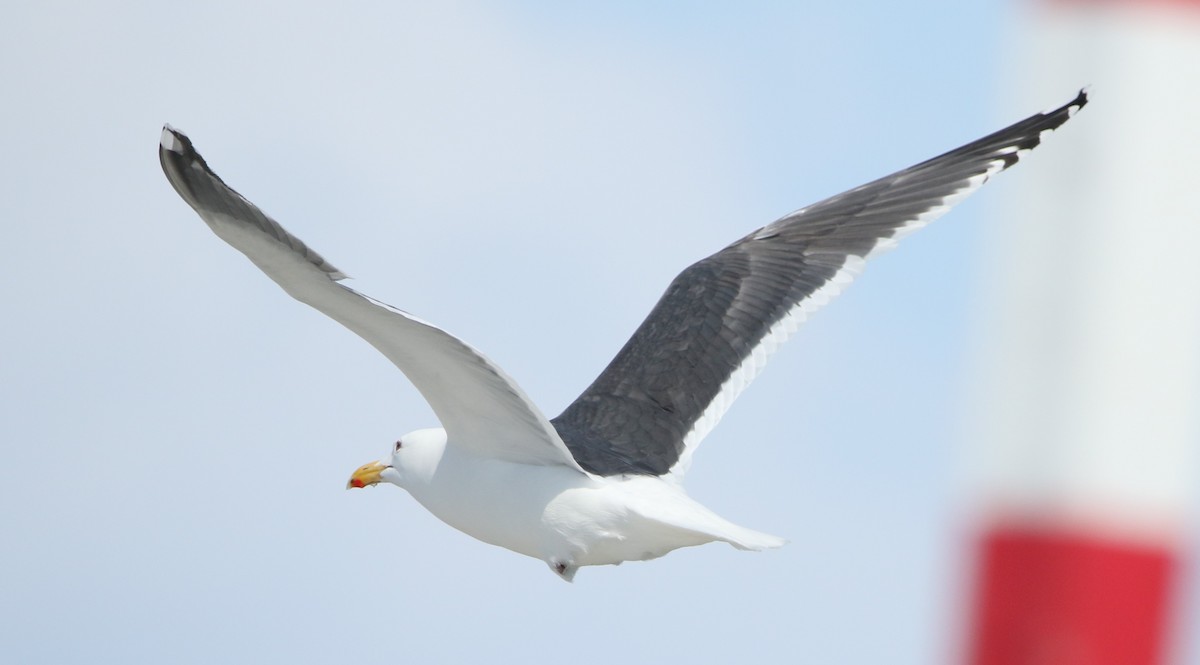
(557,514)
(502,503)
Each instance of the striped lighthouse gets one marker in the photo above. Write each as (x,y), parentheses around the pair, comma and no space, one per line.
(1086,429)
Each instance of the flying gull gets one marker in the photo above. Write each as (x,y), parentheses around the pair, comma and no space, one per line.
(601,483)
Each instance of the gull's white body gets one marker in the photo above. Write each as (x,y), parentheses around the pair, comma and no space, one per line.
(554,513)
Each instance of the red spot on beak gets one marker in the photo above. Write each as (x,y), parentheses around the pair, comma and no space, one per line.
(356,483)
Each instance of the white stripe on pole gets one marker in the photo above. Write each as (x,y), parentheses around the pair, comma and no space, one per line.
(1090,399)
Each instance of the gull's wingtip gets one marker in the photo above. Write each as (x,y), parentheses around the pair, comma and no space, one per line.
(172,139)
(1080,100)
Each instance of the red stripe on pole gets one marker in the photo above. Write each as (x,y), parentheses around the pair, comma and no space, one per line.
(1049,598)
(1129,3)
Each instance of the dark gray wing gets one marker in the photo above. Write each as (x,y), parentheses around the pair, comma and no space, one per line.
(711,332)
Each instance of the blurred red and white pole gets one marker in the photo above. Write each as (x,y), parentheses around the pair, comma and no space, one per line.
(1088,416)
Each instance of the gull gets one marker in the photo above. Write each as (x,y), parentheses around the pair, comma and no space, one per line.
(602,483)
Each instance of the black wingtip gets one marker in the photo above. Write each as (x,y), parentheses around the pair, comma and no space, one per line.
(1057,116)
(176,153)
(174,140)
(173,147)
(175,144)
(1080,100)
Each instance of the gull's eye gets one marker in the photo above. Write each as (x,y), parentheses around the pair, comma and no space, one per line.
(399,445)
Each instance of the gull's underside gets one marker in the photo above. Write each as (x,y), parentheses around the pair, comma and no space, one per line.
(600,483)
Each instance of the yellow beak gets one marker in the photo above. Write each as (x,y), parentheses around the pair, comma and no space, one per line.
(366,475)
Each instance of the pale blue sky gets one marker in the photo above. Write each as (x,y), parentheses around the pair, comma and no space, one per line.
(529,176)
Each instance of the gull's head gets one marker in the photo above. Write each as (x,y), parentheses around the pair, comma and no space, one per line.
(413,457)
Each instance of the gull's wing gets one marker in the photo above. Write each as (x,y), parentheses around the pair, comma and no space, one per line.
(711,332)
(481,408)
